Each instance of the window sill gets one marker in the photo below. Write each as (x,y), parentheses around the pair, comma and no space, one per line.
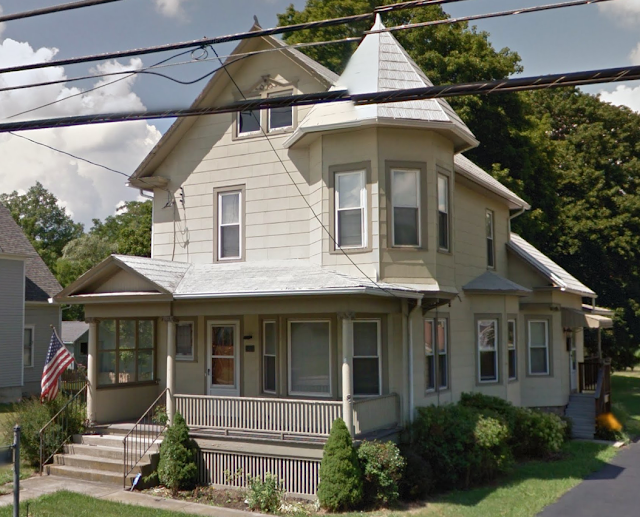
(443,251)
(350,251)
(406,248)
(186,359)
(127,385)
(534,375)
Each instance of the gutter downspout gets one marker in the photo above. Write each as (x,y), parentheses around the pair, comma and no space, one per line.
(517,214)
(410,361)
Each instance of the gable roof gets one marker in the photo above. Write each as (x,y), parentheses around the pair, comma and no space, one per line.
(380,64)
(181,125)
(72,330)
(40,284)
(558,276)
(492,283)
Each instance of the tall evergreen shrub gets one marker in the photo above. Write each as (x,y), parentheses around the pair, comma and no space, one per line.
(177,469)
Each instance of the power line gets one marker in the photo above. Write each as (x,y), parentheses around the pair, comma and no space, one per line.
(605,75)
(53,9)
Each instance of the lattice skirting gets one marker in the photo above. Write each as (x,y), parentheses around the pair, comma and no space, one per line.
(299,476)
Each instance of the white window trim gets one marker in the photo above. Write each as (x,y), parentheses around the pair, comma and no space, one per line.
(491,238)
(284,93)
(495,351)
(432,354)
(546,346)
(378,357)
(264,354)
(220,225)
(393,206)
(304,393)
(33,345)
(181,357)
(448,213)
(248,133)
(363,208)
(512,346)
(446,353)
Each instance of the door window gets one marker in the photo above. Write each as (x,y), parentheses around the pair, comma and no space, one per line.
(223,355)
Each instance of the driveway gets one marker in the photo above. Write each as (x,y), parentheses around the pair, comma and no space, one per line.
(614,490)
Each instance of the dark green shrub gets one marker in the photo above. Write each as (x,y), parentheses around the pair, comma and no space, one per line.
(177,469)
(265,496)
(417,478)
(382,466)
(568,428)
(537,434)
(340,485)
(462,444)
(486,402)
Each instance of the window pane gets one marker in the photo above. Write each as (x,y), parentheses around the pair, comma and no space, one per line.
(512,364)
(442,371)
(538,359)
(310,367)
(28,347)
(490,258)
(230,245)
(405,226)
(486,335)
(107,335)
(270,338)
(145,366)
(127,337)
(511,331)
(106,368)
(222,341)
(249,121)
(145,334)
(488,366)
(127,367)
(443,230)
(366,378)
(349,188)
(489,225)
(405,188)
(230,208)
(350,227)
(430,372)
(269,373)
(280,117)
(184,340)
(222,372)
(537,333)
(365,338)
(443,194)
(441,335)
(428,337)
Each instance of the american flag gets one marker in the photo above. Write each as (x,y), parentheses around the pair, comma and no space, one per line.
(58,359)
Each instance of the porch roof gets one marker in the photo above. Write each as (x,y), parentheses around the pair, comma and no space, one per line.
(492,283)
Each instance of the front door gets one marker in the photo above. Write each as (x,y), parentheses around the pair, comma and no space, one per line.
(573,361)
(223,370)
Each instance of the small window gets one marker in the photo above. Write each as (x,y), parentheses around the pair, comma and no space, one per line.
(488,350)
(184,341)
(405,190)
(249,122)
(443,212)
(280,118)
(429,354)
(491,261)
(350,203)
(28,347)
(538,347)
(512,349)
(310,358)
(436,348)
(366,358)
(442,340)
(269,347)
(229,225)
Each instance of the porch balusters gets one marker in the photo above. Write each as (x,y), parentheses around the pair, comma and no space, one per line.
(171,366)
(92,368)
(347,378)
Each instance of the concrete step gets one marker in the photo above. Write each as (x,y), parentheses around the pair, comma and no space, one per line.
(111,478)
(108,440)
(124,429)
(100,451)
(101,464)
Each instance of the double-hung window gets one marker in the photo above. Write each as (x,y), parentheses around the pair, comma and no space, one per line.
(351,209)
(538,347)
(310,358)
(491,259)
(487,334)
(436,349)
(366,357)
(249,123)
(512,350)
(269,354)
(229,225)
(184,341)
(28,346)
(443,212)
(405,198)
(280,118)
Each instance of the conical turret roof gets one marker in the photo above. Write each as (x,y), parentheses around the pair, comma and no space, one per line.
(380,64)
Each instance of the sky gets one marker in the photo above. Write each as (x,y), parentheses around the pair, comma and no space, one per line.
(578,38)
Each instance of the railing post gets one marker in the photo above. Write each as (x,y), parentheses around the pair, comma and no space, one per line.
(347,378)
(92,368)
(171,366)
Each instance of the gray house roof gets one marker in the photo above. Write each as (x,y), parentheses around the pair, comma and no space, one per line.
(40,284)
(558,276)
(491,282)
(72,330)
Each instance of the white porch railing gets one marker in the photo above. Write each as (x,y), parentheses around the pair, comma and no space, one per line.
(376,413)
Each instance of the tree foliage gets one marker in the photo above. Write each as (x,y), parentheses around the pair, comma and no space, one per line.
(129,229)
(80,255)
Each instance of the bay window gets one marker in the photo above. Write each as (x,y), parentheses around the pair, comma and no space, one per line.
(487,335)
(538,345)
(350,209)
(405,198)
(443,212)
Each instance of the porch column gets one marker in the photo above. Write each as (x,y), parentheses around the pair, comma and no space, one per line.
(171,366)
(92,368)
(347,378)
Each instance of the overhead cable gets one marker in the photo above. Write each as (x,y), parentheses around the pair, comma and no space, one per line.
(605,75)
(53,9)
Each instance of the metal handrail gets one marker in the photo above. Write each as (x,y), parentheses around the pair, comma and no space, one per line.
(72,400)
(143,442)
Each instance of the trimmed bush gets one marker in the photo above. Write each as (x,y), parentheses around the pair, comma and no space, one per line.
(265,496)
(417,478)
(177,469)
(537,434)
(340,485)
(382,466)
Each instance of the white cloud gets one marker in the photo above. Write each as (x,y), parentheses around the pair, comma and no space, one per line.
(627,12)
(84,190)
(170,8)
(623,96)
(635,55)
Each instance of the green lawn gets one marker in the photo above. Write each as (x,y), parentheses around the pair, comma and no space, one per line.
(77,505)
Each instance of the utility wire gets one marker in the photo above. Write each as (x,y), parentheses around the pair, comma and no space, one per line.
(605,75)
(53,9)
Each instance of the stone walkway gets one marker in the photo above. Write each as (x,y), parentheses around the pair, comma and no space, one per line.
(37,486)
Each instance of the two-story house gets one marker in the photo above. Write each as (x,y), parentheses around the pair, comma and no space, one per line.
(315,262)
(26,316)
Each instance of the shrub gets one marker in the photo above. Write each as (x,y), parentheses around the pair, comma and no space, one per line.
(265,496)
(177,468)
(340,485)
(417,478)
(487,403)
(382,466)
(537,434)
(568,428)
(462,444)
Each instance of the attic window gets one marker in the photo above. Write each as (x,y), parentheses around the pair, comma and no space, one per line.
(249,122)
(280,118)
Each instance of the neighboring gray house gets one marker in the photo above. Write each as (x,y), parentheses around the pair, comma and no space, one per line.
(26,316)
(75,336)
